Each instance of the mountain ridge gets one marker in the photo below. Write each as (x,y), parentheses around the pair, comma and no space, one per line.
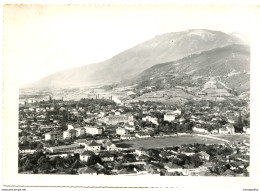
(131,62)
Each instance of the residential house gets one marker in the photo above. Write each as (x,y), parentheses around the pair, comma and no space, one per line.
(93,146)
(169,117)
(143,135)
(130,128)
(153,120)
(111,146)
(121,131)
(106,157)
(204,155)
(85,155)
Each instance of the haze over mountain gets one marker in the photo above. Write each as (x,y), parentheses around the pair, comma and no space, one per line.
(161,49)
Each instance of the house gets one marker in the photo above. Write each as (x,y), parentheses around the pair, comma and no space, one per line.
(143,135)
(177,112)
(121,131)
(87,171)
(85,155)
(111,146)
(223,130)
(106,157)
(169,117)
(231,129)
(69,134)
(204,155)
(126,137)
(153,120)
(130,128)
(53,135)
(92,130)
(93,146)
(199,129)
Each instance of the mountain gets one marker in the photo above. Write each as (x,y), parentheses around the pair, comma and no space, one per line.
(163,48)
(228,65)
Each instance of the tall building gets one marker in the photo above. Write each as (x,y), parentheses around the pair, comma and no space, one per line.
(53,135)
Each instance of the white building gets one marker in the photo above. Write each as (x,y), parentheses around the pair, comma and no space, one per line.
(80,131)
(130,128)
(53,135)
(153,120)
(199,130)
(69,134)
(121,131)
(177,112)
(169,117)
(93,146)
(85,155)
(93,130)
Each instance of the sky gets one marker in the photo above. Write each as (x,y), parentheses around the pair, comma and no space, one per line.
(43,39)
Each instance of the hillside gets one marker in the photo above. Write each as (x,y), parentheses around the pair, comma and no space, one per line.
(164,48)
(229,66)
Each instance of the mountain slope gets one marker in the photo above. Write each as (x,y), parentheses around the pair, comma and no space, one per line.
(230,65)
(163,48)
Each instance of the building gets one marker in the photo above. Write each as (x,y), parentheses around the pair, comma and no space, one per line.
(229,129)
(111,146)
(223,130)
(106,157)
(177,112)
(115,119)
(85,155)
(127,137)
(80,131)
(69,134)
(204,155)
(169,117)
(199,130)
(121,131)
(153,120)
(64,148)
(142,135)
(93,146)
(130,128)
(93,130)
(53,135)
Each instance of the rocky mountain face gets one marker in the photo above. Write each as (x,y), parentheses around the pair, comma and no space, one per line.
(173,49)
(228,65)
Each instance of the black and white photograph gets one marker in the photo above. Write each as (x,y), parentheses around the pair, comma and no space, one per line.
(128,91)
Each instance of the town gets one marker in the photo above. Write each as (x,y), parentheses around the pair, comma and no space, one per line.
(98,136)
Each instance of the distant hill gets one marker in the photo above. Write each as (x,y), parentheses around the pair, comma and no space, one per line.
(163,48)
(229,65)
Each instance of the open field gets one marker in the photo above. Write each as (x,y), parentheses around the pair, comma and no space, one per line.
(168,141)
(232,138)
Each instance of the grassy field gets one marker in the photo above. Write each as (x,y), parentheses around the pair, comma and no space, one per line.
(167,141)
(232,138)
